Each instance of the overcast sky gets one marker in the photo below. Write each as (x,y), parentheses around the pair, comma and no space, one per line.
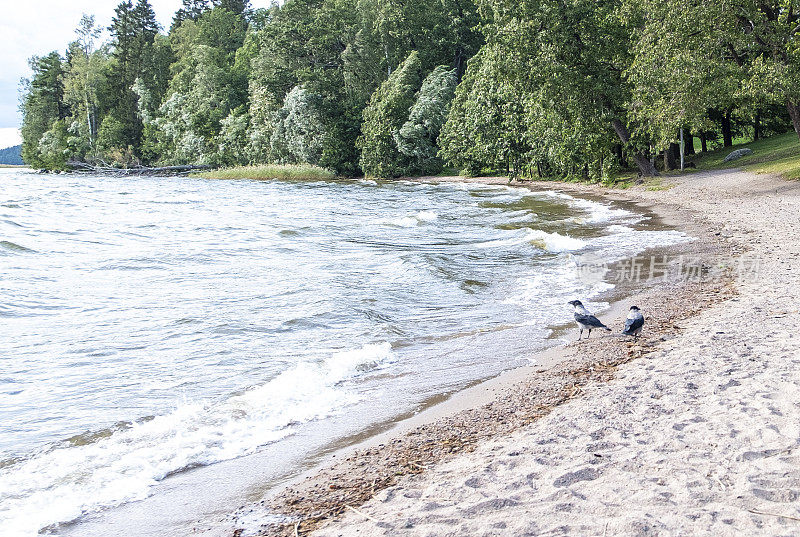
(36,27)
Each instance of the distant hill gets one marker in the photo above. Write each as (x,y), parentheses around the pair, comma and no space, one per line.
(12,156)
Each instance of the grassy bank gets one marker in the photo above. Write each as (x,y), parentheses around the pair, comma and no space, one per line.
(298,172)
(777,154)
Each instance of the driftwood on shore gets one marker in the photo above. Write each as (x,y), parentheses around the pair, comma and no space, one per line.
(135,170)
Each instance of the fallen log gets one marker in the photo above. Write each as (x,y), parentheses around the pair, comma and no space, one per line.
(84,167)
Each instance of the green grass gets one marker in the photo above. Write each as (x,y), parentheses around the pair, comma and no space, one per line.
(13,166)
(290,172)
(776,154)
(449,171)
(657,184)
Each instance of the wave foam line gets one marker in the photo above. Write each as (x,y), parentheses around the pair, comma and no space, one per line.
(62,484)
(552,242)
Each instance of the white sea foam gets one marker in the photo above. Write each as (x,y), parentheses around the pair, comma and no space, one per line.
(556,242)
(552,242)
(625,242)
(554,194)
(601,212)
(404,221)
(546,292)
(414,220)
(460,185)
(598,212)
(63,483)
(618,228)
(426,216)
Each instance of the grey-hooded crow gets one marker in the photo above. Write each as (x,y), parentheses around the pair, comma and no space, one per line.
(585,320)
(634,323)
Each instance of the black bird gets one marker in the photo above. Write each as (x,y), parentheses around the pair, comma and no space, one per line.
(634,323)
(585,320)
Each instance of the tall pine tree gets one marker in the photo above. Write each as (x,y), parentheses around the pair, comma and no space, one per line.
(133,33)
(43,104)
(191,10)
(239,7)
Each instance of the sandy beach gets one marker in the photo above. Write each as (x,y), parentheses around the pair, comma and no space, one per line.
(697,436)
(691,431)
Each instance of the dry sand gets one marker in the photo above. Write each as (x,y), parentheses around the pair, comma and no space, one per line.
(699,437)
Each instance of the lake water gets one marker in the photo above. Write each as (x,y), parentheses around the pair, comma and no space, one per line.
(152,325)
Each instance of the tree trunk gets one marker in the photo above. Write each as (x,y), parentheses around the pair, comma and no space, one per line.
(794,113)
(460,64)
(727,137)
(673,155)
(757,127)
(703,142)
(620,156)
(688,142)
(646,168)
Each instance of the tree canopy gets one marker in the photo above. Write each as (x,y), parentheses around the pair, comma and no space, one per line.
(573,88)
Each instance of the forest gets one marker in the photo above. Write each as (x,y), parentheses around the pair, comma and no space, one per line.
(11,156)
(383,88)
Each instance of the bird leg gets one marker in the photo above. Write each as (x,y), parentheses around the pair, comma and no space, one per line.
(580,336)
(590,334)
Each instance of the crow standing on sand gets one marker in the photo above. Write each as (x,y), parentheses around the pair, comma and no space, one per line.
(585,320)
(634,323)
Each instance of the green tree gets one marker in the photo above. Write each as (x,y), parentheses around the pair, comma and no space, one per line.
(567,60)
(386,113)
(205,89)
(42,104)
(418,138)
(700,56)
(190,10)
(234,138)
(302,43)
(485,127)
(299,129)
(53,147)
(83,80)
(133,39)
(189,121)
(238,7)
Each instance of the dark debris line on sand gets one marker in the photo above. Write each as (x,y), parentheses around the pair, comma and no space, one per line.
(351,482)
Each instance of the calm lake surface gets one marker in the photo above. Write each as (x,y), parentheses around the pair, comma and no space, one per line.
(156,324)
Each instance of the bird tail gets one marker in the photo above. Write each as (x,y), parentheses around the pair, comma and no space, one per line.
(607,329)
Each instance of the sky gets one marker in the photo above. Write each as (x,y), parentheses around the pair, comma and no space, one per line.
(37,27)
(9,137)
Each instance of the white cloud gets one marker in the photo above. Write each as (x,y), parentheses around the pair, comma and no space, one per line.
(37,27)
(9,137)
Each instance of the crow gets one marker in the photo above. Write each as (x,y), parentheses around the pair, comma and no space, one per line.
(585,320)
(634,323)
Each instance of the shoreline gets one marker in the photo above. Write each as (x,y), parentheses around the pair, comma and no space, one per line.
(698,436)
(557,375)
